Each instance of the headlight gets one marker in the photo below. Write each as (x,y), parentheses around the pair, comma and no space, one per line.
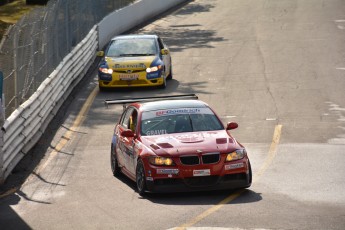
(236,155)
(161,161)
(106,70)
(153,69)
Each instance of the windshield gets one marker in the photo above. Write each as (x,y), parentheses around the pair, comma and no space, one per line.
(132,47)
(179,121)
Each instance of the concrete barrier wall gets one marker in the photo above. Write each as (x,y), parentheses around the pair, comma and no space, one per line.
(25,126)
(131,16)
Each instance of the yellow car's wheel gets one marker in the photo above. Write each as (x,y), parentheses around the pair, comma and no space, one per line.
(164,85)
(101,88)
(170,76)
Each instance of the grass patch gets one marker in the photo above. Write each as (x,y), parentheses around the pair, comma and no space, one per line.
(10,13)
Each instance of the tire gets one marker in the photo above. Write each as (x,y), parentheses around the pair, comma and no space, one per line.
(140,178)
(170,76)
(101,89)
(164,85)
(250,176)
(113,162)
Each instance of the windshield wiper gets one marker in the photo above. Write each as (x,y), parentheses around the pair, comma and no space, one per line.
(125,55)
(130,55)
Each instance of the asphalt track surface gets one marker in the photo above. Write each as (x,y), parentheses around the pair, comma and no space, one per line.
(277,67)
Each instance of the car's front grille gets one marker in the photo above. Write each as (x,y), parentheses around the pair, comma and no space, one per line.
(190,160)
(125,83)
(201,181)
(126,71)
(210,158)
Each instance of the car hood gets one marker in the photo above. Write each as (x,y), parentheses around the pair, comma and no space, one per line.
(125,63)
(191,143)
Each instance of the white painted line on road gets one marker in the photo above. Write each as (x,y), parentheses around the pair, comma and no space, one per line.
(342,20)
(341,68)
(336,141)
(220,228)
(230,116)
(271,119)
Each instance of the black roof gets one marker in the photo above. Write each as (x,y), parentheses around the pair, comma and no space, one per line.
(172,104)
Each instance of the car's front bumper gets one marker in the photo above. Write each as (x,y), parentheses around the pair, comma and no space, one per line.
(143,79)
(206,183)
(220,176)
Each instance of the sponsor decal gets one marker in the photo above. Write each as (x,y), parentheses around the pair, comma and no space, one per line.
(132,66)
(234,166)
(149,178)
(128,77)
(202,172)
(156,132)
(177,111)
(167,171)
(159,113)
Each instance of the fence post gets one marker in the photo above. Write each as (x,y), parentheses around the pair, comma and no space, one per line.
(2,119)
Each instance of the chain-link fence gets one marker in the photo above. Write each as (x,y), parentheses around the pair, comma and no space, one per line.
(32,48)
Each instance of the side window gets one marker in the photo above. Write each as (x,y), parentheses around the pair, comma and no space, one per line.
(125,119)
(130,119)
(133,120)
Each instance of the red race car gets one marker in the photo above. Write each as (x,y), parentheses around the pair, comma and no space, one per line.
(175,144)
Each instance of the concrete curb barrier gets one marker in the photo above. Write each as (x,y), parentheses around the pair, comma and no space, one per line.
(23,128)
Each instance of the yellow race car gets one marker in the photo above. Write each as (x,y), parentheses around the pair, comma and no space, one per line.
(134,61)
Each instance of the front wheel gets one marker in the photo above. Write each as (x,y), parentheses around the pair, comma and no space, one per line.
(140,177)
(170,76)
(250,176)
(164,85)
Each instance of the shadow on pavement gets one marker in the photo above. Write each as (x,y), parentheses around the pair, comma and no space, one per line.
(9,219)
(204,198)
(195,198)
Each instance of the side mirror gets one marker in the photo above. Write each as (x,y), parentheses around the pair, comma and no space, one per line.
(164,51)
(127,133)
(100,53)
(231,125)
